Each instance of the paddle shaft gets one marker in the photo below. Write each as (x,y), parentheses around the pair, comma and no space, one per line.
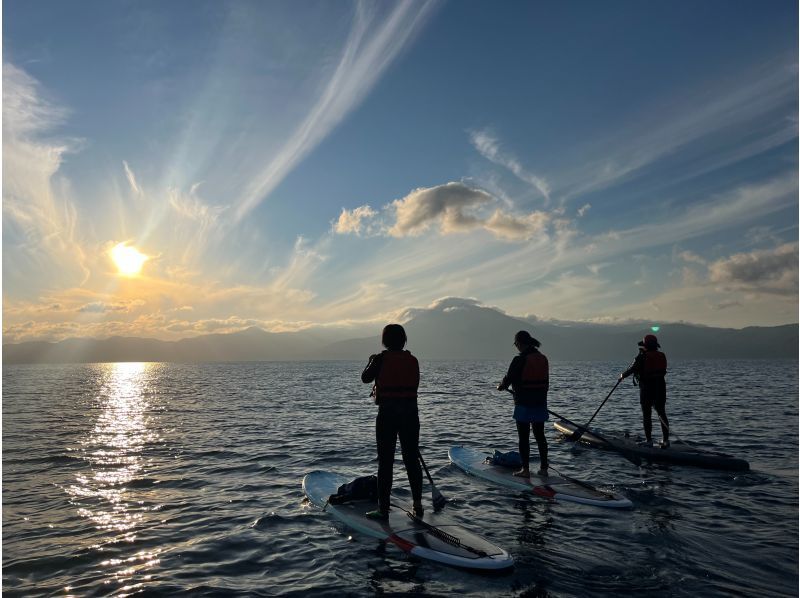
(579,482)
(603,403)
(425,467)
(578,433)
(437,498)
(625,453)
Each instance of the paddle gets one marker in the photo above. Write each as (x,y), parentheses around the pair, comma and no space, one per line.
(576,435)
(579,482)
(438,500)
(439,533)
(633,458)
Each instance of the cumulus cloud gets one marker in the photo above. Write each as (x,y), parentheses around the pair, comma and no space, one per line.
(691,257)
(447,303)
(724,305)
(352,221)
(446,204)
(517,228)
(101,307)
(443,304)
(762,271)
(456,207)
(216,325)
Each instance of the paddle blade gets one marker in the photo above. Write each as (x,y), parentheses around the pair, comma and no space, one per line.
(438,500)
(576,435)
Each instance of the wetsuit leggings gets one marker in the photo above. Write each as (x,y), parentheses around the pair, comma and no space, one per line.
(524,431)
(660,405)
(395,421)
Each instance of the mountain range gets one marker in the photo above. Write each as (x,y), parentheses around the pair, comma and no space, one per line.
(451,329)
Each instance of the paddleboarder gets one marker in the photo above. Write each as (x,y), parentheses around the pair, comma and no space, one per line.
(528,376)
(395,373)
(649,370)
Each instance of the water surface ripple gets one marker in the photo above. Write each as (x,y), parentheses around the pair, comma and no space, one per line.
(185,478)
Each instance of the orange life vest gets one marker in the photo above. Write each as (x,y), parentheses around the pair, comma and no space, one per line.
(398,377)
(535,373)
(654,365)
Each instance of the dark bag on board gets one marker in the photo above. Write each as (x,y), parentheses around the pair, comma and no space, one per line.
(509,459)
(363,488)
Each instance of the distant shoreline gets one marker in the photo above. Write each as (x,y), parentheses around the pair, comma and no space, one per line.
(469,333)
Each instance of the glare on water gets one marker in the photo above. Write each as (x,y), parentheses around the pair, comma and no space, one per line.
(176,478)
(115,448)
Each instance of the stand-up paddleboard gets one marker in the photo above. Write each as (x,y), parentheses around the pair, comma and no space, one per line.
(555,487)
(678,453)
(434,537)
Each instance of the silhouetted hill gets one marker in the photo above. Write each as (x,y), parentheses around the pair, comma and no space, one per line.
(455,330)
(452,329)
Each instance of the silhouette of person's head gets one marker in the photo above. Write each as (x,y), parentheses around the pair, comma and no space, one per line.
(523,339)
(394,337)
(650,342)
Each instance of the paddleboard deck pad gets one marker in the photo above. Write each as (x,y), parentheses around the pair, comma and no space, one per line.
(678,453)
(434,537)
(554,487)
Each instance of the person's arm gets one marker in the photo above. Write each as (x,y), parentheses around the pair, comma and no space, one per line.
(635,367)
(514,371)
(370,372)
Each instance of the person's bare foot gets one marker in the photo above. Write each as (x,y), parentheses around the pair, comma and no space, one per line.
(522,473)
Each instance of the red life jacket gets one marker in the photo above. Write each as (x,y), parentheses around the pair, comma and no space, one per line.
(535,373)
(654,365)
(398,377)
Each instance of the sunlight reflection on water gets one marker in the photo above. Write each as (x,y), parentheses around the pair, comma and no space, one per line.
(182,479)
(114,448)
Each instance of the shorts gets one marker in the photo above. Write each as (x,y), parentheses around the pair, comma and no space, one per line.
(528,414)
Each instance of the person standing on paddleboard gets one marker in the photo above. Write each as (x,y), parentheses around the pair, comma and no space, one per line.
(396,376)
(529,377)
(649,370)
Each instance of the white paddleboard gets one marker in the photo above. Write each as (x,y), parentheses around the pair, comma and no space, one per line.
(435,537)
(554,487)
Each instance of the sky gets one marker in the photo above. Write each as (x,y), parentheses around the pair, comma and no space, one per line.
(293,164)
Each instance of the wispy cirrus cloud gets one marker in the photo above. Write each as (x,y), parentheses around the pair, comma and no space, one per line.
(131,178)
(489,147)
(724,121)
(371,47)
(723,211)
(41,229)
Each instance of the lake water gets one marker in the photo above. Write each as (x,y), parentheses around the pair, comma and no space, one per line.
(172,478)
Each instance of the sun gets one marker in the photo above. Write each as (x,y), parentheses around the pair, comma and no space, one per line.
(129,260)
